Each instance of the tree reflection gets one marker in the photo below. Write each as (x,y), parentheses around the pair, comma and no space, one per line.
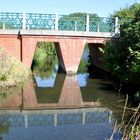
(4,123)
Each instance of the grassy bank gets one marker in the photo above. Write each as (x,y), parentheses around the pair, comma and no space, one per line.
(12,71)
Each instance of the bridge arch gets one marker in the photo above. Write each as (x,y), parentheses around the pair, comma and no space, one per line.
(69,45)
(69,50)
(95,53)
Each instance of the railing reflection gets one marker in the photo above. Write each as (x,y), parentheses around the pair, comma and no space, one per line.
(29,118)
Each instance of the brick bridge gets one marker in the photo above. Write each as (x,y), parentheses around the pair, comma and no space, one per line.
(20,33)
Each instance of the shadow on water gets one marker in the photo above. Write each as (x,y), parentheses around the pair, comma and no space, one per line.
(97,73)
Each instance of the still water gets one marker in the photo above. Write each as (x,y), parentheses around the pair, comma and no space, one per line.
(61,107)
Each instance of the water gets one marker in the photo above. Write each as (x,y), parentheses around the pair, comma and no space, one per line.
(77,124)
(61,107)
(68,107)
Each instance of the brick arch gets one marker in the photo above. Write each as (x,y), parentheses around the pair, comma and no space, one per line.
(69,51)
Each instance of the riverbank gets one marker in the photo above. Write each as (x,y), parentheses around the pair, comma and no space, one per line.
(12,71)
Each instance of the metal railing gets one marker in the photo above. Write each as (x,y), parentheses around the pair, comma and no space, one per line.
(34,21)
(11,20)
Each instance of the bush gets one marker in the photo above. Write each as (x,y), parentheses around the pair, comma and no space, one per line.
(12,70)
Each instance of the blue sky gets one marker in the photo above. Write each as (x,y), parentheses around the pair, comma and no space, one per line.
(101,7)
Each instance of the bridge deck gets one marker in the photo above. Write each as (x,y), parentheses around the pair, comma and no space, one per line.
(57,33)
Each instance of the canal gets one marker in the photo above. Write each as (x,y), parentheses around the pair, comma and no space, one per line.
(56,106)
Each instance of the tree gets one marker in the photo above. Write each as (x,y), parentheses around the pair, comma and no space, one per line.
(45,59)
(128,12)
(75,21)
(123,57)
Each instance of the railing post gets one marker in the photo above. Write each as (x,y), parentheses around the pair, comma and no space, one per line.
(56,21)
(3,26)
(116,25)
(26,120)
(83,118)
(24,21)
(75,26)
(55,120)
(98,27)
(87,23)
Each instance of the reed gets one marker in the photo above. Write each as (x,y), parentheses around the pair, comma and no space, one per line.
(131,129)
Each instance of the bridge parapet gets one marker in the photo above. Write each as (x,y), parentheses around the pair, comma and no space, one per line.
(36,21)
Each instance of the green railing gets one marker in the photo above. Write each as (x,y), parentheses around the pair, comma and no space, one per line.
(34,21)
(69,23)
(102,24)
(40,21)
(11,20)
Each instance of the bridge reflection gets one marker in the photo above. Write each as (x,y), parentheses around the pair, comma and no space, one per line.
(38,106)
(66,93)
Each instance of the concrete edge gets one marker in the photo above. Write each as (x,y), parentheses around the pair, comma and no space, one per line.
(58,33)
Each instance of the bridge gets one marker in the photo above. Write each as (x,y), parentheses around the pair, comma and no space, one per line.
(20,32)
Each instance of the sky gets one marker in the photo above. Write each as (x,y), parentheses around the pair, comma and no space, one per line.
(101,7)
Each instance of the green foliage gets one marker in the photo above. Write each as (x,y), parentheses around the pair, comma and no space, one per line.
(7,25)
(84,63)
(45,59)
(77,16)
(83,66)
(4,126)
(11,70)
(1,25)
(135,133)
(44,52)
(3,77)
(123,57)
(75,21)
(128,12)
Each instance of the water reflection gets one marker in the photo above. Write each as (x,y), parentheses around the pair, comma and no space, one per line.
(82,79)
(46,81)
(78,124)
(56,106)
(57,124)
(66,93)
